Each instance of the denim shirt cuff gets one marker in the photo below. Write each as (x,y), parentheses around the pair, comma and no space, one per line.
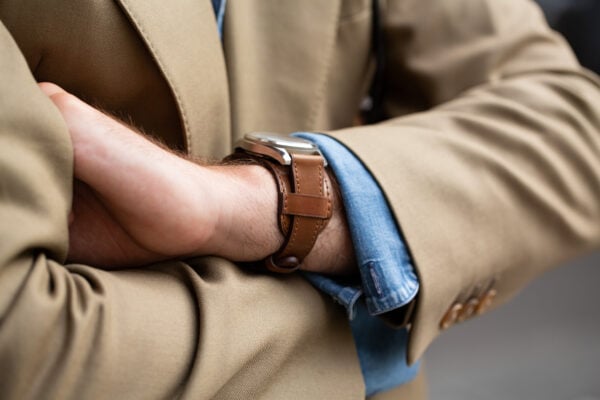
(388,278)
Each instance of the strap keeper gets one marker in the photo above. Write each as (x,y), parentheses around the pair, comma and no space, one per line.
(305,205)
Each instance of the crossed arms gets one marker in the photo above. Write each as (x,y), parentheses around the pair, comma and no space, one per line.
(136,203)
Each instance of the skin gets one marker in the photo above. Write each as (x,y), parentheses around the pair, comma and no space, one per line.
(136,203)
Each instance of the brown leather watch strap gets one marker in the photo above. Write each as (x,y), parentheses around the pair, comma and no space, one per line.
(305,207)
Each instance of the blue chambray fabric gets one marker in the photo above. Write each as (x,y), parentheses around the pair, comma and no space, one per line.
(219,7)
(388,280)
(381,352)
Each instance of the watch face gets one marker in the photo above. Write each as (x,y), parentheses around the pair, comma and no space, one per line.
(277,147)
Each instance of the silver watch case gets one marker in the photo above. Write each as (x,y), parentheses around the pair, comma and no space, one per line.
(276,146)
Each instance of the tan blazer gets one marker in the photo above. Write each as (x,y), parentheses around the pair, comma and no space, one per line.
(490,162)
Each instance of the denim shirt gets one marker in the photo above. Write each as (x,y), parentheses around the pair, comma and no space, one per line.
(387,277)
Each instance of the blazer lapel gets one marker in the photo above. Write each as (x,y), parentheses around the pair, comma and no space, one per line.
(183,39)
(278,56)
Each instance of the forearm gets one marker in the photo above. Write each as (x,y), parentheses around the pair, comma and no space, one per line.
(172,207)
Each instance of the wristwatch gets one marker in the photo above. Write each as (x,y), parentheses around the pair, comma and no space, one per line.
(304,191)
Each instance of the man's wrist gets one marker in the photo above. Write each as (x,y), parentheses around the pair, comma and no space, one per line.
(247,228)
(303,188)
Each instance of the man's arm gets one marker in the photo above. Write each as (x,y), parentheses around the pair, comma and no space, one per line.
(159,205)
(172,330)
(499,179)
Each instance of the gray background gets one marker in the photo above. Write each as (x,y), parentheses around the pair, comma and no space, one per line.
(545,344)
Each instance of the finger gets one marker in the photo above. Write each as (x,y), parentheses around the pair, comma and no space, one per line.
(50,88)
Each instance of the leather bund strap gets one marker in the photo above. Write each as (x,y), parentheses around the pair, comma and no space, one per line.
(305,207)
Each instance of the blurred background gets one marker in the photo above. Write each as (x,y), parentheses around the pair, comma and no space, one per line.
(545,344)
(579,22)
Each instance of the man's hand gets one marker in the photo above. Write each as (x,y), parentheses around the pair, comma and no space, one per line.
(136,203)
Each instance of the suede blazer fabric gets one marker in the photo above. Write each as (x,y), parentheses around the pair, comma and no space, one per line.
(490,161)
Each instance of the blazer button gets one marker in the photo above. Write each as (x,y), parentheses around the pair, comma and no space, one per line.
(451,316)
(469,309)
(486,301)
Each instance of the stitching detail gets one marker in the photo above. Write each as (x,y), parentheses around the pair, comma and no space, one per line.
(315,233)
(328,194)
(293,236)
(164,70)
(320,94)
(285,202)
(320,180)
(323,184)
(297,178)
(375,279)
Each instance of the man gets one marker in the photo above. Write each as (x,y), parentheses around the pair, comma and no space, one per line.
(489,162)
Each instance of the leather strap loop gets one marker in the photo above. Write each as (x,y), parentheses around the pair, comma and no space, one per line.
(305,206)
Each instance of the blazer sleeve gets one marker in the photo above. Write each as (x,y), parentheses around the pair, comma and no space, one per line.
(491,157)
(174,330)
